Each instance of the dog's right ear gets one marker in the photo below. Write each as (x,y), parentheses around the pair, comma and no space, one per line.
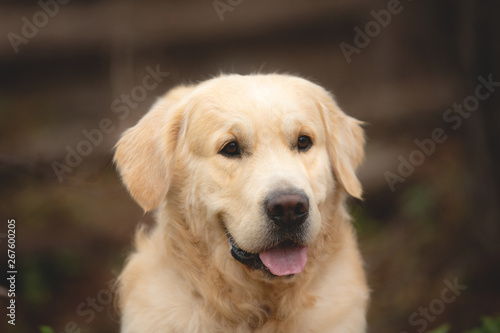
(144,153)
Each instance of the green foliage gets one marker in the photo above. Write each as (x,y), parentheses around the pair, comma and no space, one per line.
(35,286)
(46,329)
(441,329)
(489,325)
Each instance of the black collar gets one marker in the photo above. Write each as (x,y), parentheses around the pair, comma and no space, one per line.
(251,260)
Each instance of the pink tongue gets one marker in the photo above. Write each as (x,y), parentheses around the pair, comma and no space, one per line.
(285,261)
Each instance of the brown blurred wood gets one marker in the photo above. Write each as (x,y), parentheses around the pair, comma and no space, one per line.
(89,27)
(481,54)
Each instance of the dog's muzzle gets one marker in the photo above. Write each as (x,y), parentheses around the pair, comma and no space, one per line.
(287,213)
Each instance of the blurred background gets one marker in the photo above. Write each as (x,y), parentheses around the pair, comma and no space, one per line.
(424,75)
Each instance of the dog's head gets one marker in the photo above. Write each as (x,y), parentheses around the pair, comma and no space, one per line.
(253,157)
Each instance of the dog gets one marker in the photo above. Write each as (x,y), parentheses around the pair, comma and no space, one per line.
(248,176)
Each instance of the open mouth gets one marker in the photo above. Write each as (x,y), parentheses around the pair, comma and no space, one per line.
(288,258)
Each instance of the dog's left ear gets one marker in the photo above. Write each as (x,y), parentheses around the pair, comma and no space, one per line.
(345,143)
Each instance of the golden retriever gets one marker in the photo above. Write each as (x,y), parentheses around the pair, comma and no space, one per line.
(249,176)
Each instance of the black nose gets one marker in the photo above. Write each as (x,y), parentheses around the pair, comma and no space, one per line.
(287,209)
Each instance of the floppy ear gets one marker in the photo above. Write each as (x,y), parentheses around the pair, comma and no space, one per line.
(144,154)
(345,144)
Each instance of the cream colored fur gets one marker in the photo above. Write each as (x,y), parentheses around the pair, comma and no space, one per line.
(182,277)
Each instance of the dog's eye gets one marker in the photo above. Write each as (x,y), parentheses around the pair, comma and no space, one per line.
(304,143)
(230,149)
